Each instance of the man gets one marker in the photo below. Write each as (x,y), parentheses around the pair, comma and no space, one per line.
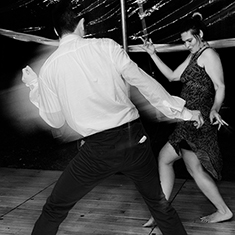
(83,83)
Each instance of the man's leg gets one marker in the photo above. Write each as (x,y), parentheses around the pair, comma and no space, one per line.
(101,156)
(142,169)
(64,196)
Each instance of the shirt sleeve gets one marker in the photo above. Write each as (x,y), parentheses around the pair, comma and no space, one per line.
(33,93)
(171,106)
(47,102)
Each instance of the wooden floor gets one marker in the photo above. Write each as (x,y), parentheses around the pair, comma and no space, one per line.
(112,208)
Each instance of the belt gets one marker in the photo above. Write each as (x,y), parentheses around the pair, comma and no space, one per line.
(123,126)
(81,141)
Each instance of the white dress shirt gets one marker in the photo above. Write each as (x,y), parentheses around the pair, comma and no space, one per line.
(84,82)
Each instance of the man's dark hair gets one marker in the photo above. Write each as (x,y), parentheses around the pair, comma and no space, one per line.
(66,16)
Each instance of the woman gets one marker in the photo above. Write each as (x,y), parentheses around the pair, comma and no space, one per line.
(203,89)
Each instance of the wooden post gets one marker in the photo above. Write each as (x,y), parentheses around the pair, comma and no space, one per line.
(124,30)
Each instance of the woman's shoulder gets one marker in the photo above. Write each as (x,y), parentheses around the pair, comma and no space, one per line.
(208,56)
(209,53)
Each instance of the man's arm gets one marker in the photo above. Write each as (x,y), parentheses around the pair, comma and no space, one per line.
(30,78)
(171,106)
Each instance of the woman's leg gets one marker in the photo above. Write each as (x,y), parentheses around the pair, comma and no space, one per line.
(207,185)
(166,159)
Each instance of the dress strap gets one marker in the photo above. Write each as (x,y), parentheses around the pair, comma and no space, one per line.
(198,53)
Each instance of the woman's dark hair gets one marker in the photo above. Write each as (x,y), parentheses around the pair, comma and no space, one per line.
(66,15)
(194,24)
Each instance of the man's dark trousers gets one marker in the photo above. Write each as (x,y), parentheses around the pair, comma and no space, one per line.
(123,149)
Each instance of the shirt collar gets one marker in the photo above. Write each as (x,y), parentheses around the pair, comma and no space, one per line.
(69,37)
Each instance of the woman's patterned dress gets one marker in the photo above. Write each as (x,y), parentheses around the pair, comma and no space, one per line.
(198,92)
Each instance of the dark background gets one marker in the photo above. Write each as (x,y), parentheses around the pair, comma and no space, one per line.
(37,149)
(26,143)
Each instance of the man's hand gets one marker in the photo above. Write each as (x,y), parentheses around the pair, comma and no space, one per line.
(28,76)
(197,118)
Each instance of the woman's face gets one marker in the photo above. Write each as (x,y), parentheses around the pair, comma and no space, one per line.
(191,42)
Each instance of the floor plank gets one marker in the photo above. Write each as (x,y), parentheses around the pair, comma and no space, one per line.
(114,207)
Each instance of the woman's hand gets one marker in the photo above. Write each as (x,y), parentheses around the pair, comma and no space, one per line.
(216,119)
(148,46)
